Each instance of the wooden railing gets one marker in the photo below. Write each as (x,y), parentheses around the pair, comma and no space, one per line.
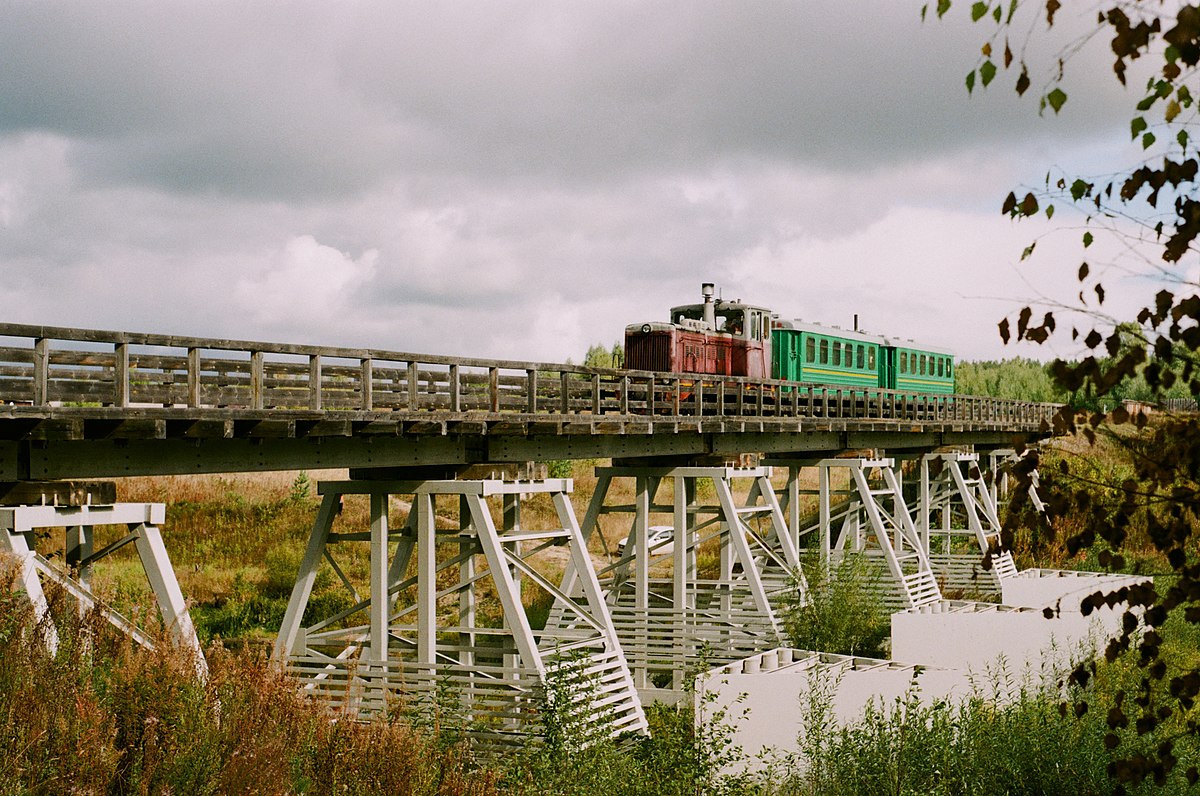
(55,367)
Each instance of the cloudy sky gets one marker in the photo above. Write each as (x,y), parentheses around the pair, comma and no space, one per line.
(522,179)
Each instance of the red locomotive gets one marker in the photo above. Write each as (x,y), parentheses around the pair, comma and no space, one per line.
(728,338)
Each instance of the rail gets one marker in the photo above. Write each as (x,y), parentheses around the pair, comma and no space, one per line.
(51,367)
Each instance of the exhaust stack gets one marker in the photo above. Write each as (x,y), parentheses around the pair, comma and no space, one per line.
(710,309)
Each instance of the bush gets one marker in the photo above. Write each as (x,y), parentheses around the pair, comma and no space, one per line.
(842,613)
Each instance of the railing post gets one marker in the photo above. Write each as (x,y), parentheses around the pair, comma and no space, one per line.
(121,375)
(256,379)
(494,389)
(532,381)
(414,398)
(698,395)
(314,382)
(650,385)
(41,370)
(455,392)
(720,383)
(565,391)
(624,398)
(367,378)
(678,393)
(596,394)
(193,377)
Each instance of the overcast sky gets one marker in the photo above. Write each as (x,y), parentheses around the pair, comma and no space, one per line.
(521,180)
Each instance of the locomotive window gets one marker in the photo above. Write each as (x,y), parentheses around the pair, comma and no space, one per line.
(824,352)
(941,366)
(904,362)
(861,355)
(924,365)
(837,353)
(810,350)
(755,326)
(871,358)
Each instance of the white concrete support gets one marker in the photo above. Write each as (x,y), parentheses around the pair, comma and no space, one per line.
(417,635)
(18,526)
(878,521)
(954,490)
(693,577)
(171,604)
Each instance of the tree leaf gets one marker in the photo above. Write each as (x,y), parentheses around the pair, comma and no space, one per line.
(970,81)
(1028,251)
(1023,81)
(1057,98)
(1029,205)
(1083,271)
(987,72)
(942,7)
(1087,239)
(1010,203)
(978,10)
(1182,138)
(1172,110)
(1052,7)
(1049,212)
(1148,140)
(1137,125)
(1080,189)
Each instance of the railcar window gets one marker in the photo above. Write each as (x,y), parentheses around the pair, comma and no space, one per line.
(810,350)
(824,352)
(861,357)
(925,371)
(941,366)
(904,362)
(871,358)
(837,353)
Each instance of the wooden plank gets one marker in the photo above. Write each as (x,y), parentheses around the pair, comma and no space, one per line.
(57,493)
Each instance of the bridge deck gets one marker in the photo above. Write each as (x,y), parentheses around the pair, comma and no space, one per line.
(88,403)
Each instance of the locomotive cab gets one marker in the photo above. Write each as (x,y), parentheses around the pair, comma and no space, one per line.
(727,338)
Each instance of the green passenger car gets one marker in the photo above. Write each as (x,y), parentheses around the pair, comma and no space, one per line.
(822,355)
(813,354)
(925,370)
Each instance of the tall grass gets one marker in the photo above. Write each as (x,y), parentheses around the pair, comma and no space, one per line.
(99,715)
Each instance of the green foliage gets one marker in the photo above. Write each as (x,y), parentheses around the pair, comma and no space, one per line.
(598,356)
(560,468)
(1022,379)
(843,613)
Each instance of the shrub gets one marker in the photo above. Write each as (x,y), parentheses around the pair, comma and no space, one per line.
(842,613)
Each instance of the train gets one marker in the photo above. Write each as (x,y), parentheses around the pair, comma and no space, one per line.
(733,338)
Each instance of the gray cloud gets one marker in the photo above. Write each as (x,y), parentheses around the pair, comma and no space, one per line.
(517,179)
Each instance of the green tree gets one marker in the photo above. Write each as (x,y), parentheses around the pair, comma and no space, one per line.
(1153,206)
(598,356)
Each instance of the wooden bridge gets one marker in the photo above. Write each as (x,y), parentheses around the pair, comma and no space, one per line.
(85,404)
(79,403)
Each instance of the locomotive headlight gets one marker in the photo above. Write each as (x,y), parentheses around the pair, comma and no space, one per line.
(645,328)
